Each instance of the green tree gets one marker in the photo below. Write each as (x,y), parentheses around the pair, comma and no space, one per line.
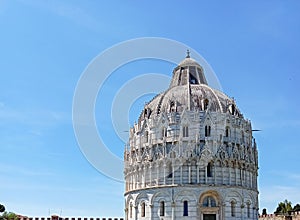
(2,208)
(296,208)
(264,212)
(9,216)
(283,208)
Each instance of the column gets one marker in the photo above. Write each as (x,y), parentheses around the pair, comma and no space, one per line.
(145,168)
(197,167)
(157,174)
(173,210)
(205,175)
(173,173)
(180,173)
(222,173)
(215,172)
(135,212)
(150,175)
(190,173)
(229,168)
(165,174)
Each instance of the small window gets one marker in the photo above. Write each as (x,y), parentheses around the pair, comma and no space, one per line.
(185,131)
(146,136)
(207,131)
(143,209)
(185,208)
(130,211)
(248,210)
(233,208)
(209,170)
(162,208)
(209,201)
(205,104)
(164,132)
(227,132)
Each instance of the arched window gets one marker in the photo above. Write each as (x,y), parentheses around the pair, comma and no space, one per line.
(164,132)
(248,209)
(146,136)
(185,131)
(209,201)
(205,104)
(143,209)
(232,208)
(185,208)
(243,137)
(207,131)
(209,170)
(227,132)
(130,210)
(162,208)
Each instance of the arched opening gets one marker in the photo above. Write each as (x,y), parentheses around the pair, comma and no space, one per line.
(185,131)
(143,209)
(227,132)
(232,206)
(210,208)
(185,208)
(162,208)
(209,170)
(164,132)
(209,201)
(207,131)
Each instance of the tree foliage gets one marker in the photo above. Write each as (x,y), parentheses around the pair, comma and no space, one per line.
(296,208)
(284,208)
(8,216)
(264,212)
(2,208)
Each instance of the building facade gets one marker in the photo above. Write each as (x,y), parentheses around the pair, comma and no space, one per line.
(191,155)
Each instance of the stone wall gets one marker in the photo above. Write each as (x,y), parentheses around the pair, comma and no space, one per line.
(54,217)
(292,216)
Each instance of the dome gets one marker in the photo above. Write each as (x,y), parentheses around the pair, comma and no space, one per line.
(189,91)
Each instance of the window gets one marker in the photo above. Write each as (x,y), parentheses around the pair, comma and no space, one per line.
(209,170)
(205,104)
(130,211)
(209,201)
(162,208)
(164,132)
(233,208)
(146,136)
(227,132)
(207,131)
(185,208)
(143,209)
(185,131)
(248,209)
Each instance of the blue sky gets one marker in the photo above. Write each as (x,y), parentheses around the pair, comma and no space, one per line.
(253,47)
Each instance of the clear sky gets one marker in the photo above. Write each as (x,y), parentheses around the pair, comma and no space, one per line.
(253,47)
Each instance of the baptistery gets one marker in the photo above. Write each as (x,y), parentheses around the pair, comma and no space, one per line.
(191,154)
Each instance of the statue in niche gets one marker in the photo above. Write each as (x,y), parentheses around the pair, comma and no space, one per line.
(195,101)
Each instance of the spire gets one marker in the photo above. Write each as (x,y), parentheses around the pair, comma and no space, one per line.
(188,53)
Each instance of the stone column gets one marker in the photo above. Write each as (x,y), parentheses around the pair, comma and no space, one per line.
(173,210)
(190,173)
(173,173)
(229,170)
(180,173)
(136,212)
(165,173)
(157,174)
(205,175)
(150,211)
(145,173)
(197,167)
(150,175)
